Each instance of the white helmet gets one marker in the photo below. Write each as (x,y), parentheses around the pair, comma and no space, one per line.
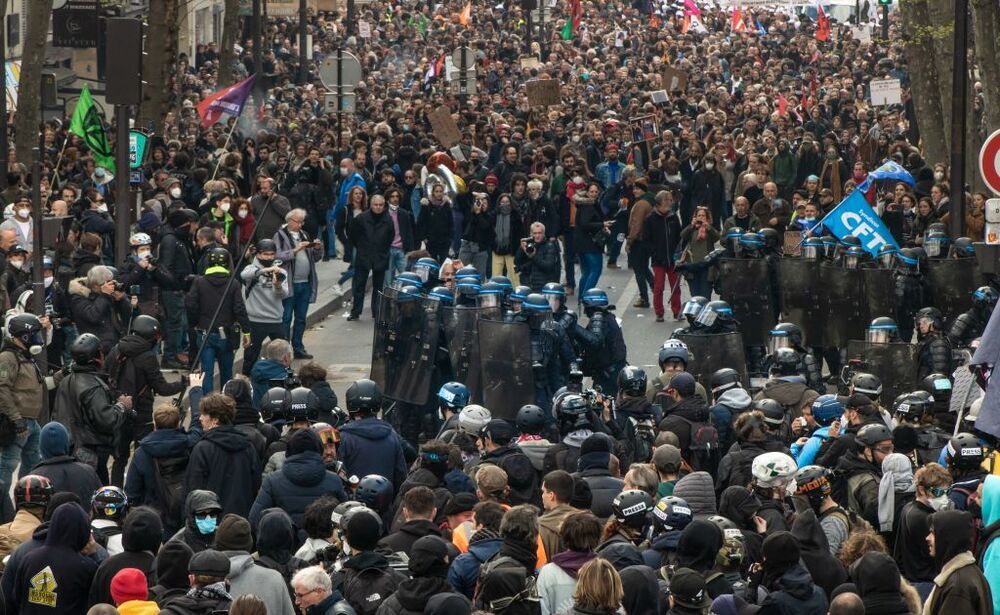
(140,239)
(473,418)
(772,469)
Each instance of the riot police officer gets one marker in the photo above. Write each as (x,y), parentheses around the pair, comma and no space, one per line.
(692,308)
(882,330)
(490,301)
(813,249)
(515,304)
(970,324)
(934,347)
(427,270)
(566,318)
(789,335)
(963,248)
(936,244)
(716,317)
(601,342)
(550,349)
(886,256)
(909,288)
(467,285)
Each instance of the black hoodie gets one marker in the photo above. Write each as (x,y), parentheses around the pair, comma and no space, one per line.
(203,300)
(171,570)
(196,500)
(139,375)
(225,463)
(877,579)
(697,548)
(825,569)
(141,537)
(678,419)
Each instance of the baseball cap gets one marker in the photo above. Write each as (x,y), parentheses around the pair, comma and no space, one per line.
(498,430)
(683,383)
(688,589)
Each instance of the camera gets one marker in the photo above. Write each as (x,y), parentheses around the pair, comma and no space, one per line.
(289,382)
(575,382)
(119,286)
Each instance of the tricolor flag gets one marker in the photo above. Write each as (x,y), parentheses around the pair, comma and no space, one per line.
(693,22)
(227,101)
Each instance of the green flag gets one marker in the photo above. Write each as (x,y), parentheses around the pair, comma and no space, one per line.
(87,124)
(567,30)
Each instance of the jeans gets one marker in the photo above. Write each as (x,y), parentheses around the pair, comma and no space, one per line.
(569,259)
(659,273)
(358,287)
(397,264)
(259,331)
(177,325)
(471,254)
(331,232)
(298,306)
(23,450)
(591,264)
(215,348)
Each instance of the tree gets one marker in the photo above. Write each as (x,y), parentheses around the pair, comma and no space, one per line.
(986,29)
(230,33)
(27,120)
(161,52)
(925,85)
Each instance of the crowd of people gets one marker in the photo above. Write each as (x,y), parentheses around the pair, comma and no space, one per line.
(698,489)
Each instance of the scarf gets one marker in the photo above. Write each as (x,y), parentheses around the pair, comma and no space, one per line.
(215,591)
(502,227)
(897,477)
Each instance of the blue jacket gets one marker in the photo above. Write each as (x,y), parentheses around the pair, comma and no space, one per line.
(463,574)
(805,454)
(991,556)
(302,479)
(352,180)
(261,374)
(370,446)
(666,542)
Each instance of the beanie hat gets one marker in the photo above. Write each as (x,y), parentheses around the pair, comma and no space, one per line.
(233,534)
(781,549)
(128,584)
(683,383)
(460,503)
(596,443)
(303,441)
(583,497)
(363,530)
(172,564)
(58,499)
(429,557)
(492,179)
(142,530)
(54,440)
(448,604)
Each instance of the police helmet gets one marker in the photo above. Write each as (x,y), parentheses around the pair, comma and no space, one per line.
(594,298)
(985,297)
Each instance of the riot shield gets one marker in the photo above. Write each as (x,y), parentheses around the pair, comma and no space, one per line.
(800,297)
(841,304)
(952,282)
(505,358)
(895,364)
(745,284)
(880,294)
(403,348)
(713,352)
(462,335)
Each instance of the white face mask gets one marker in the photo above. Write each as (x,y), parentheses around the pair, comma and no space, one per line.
(224,207)
(175,192)
(242,214)
(103,208)
(576,138)
(938,175)
(939,503)
(393,207)
(144,254)
(23,213)
(709,166)
(48,280)
(16,264)
(343,171)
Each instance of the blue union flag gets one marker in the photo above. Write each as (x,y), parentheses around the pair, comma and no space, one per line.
(226,101)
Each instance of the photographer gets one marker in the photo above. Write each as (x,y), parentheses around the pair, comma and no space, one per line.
(140,272)
(479,235)
(537,260)
(267,287)
(99,305)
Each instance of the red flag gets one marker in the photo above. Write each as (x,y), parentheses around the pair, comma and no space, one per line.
(576,14)
(782,105)
(465,17)
(227,100)
(439,66)
(737,24)
(822,24)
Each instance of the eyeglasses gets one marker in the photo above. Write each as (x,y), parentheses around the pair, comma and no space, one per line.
(300,596)
(885,449)
(937,491)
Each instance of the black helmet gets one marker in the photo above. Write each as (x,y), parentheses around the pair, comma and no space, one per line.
(790,330)
(33,490)
(913,406)
(985,298)
(938,386)
(812,248)
(572,412)
(908,259)
(85,349)
(375,492)
(26,328)
(266,245)
(146,327)
(303,405)
(965,451)
(715,311)
(771,238)
(109,503)
(671,513)
(724,379)
(963,248)
(773,411)
(851,241)
(673,353)
(631,508)
(867,384)
(931,314)
(785,362)
(530,419)
(218,257)
(363,396)
(873,433)
(276,404)
(813,482)
(632,381)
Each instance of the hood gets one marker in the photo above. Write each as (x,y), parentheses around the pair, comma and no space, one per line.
(267,369)
(785,393)
(172,565)
(419,528)
(217,279)
(642,595)
(78,286)
(699,544)
(666,541)
(808,531)
(875,572)
(991,500)
(572,561)
(276,535)
(621,553)
(739,505)
(368,428)
(200,499)
(304,469)
(54,440)
(228,438)
(143,531)
(239,562)
(736,398)
(69,529)
(448,604)
(698,489)
(797,582)
(953,533)
(693,409)
(484,549)
(165,443)
(132,345)
(413,594)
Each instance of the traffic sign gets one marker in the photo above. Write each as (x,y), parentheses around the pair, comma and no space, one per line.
(989,162)
(136,148)
(346,72)
(463,58)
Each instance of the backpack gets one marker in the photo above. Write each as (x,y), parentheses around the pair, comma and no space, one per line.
(527,596)
(367,589)
(103,534)
(854,521)
(704,449)
(641,438)
(169,484)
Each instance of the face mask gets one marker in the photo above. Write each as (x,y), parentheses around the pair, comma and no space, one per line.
(576,138)
(206,525)
(709,165)
(939,503)
(265,262)
(16,264)
(938,176)
(393,207)
(175,192)
(343,171)
(242,214)
(48,280)
(144,254)
(23,213)
(103,208)
(224,207)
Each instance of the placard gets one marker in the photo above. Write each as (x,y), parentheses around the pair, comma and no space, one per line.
(659,97)
(885,92)
(644,128)
(364,29)
(530,61)
(543,92)
(862,33)
(793,243)
(444,127)
(673,79)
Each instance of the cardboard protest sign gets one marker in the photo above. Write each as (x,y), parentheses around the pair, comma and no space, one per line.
(673,79)
(543,92)
(444,127)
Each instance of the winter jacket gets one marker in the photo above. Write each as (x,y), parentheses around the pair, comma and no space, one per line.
(409,532)
(727,406)
(371,446)
(549,524)
(557,581)
(463,574)
(412,595)
(134,370)
(286,253)
(960,587)
(862,482)
(85,406)
(55,577)
(245,577)
(141,538)
(261,375)
(792,395)
(22,527)
(20,384)
(603,486)
(989,554)
(303,479)
(542,267)
(588,224)
(201,601)
(271,220)
(98,313)
(372,235)
(175,256)
(825,569)
(203,300)
(678,420)
(507,577)
(795,593)
(66,473)
(197,500)
(698,491)
(435,227)
(662,550)
(224,462)
(525,486)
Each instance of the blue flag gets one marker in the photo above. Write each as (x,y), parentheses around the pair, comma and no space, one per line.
(855,217)
(889,170)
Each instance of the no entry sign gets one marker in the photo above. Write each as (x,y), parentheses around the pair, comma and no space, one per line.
(989,162)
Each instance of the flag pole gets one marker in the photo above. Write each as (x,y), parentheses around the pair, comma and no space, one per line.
(225,147)
(55,181)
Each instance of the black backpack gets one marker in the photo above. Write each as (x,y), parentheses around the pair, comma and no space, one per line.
(704,449)
(526,599)
(641,437)
(367,589)
(169,474)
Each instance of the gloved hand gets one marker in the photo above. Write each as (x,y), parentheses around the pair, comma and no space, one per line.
(21,426)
